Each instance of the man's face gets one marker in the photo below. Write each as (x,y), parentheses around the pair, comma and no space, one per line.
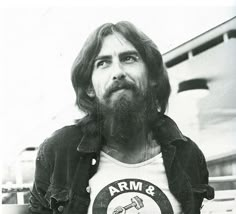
(119,72)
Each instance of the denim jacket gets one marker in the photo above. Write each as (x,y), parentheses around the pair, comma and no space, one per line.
(65,163)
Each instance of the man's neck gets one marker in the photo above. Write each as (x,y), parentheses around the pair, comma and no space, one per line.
(136,149)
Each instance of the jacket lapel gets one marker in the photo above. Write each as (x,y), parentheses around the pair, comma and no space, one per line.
(178,181)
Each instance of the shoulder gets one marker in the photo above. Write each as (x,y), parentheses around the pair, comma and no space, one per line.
(185,146)
(177,138)
(189,152)
(63,135)
(62,139)
(190,145)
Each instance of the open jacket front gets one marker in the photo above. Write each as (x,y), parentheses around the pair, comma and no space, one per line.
(65,163)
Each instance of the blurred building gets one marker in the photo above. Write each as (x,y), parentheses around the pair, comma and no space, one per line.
(202,72)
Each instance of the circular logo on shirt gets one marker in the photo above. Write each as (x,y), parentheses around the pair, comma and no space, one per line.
(131,196)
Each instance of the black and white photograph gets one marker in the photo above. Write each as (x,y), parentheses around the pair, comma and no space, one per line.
(118,108)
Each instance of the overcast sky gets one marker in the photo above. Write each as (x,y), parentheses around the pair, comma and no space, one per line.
(39,44)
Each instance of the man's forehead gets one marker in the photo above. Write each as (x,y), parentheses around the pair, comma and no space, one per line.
(114,44)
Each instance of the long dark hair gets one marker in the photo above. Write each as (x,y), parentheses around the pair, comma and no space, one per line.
(83,64)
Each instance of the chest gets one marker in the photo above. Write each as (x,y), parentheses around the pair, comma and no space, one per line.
(132,188)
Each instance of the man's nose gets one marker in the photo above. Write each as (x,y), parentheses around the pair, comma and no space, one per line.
(118,73)
(119,77)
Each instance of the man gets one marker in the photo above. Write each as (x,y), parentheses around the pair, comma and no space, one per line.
(125,156)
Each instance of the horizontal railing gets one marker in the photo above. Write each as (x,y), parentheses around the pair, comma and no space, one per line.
(224,202)
(222,179)
(11,188)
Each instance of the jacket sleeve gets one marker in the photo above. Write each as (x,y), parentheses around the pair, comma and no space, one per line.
(38,203)
(209,191)
(203,189)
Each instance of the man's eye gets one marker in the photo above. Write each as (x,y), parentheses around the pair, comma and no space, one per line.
(101,64)
(129,59)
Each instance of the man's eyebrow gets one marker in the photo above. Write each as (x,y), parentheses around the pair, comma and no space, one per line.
(102,57)
(122,54)
(125,53)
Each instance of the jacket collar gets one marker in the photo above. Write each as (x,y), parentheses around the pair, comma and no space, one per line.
(165,131)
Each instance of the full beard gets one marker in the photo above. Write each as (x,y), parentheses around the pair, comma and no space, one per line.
(125,117)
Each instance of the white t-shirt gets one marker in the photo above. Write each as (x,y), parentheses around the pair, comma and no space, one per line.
(131,188)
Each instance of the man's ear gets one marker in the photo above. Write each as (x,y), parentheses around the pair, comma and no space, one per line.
(90,91)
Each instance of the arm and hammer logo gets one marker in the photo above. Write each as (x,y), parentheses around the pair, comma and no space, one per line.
(131,196)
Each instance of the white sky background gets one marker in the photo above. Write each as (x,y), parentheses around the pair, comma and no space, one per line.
(39,44)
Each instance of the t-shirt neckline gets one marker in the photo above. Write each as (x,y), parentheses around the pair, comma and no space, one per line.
(135,165)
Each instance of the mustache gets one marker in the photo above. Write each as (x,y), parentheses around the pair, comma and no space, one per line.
(124,84)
